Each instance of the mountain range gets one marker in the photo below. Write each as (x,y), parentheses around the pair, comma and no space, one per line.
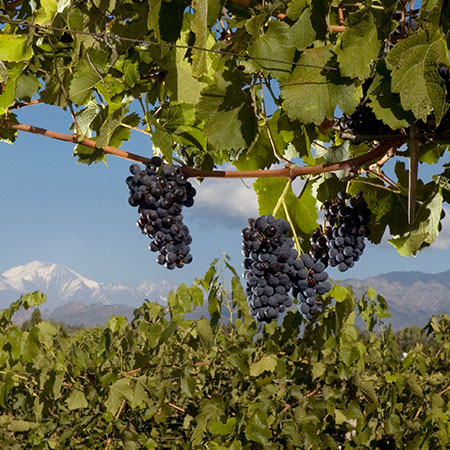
(74,298)
(412,296)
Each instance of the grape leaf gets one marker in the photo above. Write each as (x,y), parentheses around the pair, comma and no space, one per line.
(46,12)
(27,87)
(222,429)
(256,428)
(380,202)
(181,79)
(384,103)
(14,47)
(226,129)
(443,180)
(153,16)
(9,91)
(303,32)
(275,43)
(87,74)
(199,27)
(266,363)
(424,229)
(109,127)
(358,45)
(414,62)
(76,400)
(302,210)
(313,91)
(258,156)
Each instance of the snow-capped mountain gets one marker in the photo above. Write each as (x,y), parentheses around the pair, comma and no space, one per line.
(63,285)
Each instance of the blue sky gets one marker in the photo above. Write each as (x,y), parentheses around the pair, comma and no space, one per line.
(59,211)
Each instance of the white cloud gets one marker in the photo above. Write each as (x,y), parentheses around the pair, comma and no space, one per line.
(232,200)
(443,240)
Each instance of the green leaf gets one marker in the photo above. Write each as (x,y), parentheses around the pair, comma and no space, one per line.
(302,210)
(14,47)
(384,103)
(205,331)
(46,12)
(109,127)
(222,429)
(339,416)
(88,155)
(382,205)
(21,426)
(130,73)
(180,80)
(86,117)
(7,97)
(313,91)
(443,181)
(119,391)
(424,229)
(153,16)
(275,43)
(302,32)
(85,78)
(358,45)
(259,155)
(318,369)
(199,27)
(266,363)
(256,428)
(414,62)
(229,134)
(27,87)
(76,400)
(117,323)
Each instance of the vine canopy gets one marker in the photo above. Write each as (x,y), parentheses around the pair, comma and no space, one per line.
(255,84)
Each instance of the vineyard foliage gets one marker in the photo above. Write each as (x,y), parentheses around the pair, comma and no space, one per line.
(223,382)
(251,84)
(278,89)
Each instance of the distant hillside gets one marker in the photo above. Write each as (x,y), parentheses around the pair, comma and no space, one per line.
(412,296)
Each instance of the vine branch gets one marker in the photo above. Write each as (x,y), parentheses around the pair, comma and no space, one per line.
(376,153)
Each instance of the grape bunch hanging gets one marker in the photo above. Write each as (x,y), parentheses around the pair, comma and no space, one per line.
(273,270)
(340,243)
(160,191)
(270,263)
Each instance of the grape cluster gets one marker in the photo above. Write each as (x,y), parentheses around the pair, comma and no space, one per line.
(362,122)
(269,266)
(341,243)
(310,280)
(160,191)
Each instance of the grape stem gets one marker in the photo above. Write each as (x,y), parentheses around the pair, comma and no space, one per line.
(381,186)
(263,115)
(282,197)
(294,234)
(377,152)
